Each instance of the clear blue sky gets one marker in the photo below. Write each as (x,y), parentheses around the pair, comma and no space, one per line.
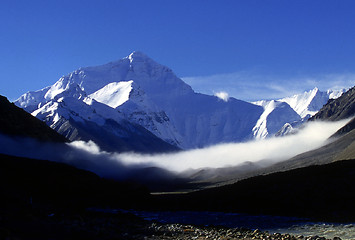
(219,45)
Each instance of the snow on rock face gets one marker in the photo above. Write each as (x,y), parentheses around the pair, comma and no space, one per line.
(276,114)
(280,119)
(309,103)
(30,100)
(146,93)
(113,94)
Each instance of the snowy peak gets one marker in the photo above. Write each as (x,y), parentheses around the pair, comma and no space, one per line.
(276,114)
(138,56)
(153,78)
(281,119)
(148,97)
(309,103)
(142,92)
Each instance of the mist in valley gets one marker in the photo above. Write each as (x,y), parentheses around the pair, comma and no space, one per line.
(122,166)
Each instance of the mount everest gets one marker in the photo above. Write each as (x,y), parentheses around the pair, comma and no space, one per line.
(136,104)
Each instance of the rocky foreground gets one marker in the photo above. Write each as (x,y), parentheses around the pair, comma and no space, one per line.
(178,231)
(99,225)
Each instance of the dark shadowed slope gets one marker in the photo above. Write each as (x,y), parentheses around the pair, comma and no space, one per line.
(324,192)
(340,149)
(15,121)
(338,109)
(26,181)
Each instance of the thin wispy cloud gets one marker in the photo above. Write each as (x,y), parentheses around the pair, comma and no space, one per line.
(252,86)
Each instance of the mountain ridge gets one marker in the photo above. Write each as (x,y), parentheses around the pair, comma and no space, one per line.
(141,92)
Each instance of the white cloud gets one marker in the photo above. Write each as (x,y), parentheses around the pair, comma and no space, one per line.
(222,95)
(313,135)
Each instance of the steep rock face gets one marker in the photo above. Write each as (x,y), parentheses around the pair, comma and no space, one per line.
(144,93)
(15,121)
(337,109)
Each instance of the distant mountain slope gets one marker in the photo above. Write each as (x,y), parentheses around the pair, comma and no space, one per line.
(308,103)
(14,121)
(276,114)
(282,116)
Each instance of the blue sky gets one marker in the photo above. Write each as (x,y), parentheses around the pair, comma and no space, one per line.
(251,48)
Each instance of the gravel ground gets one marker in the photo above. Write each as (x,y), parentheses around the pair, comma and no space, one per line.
(106,226)
(178,231)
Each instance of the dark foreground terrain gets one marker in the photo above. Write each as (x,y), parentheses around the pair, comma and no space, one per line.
(37,225)
(325,192)
(48,200)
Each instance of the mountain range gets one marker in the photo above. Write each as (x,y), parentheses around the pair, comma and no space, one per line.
(317,183)
(137,104)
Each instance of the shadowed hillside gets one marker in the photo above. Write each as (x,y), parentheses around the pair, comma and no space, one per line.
(17,122)
(26,183)
(322,192)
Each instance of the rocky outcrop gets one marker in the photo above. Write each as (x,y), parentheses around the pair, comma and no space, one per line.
(338,109)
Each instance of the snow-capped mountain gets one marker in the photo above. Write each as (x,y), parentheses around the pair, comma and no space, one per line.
(129,101)
(309,103)
(141,92)
(276,114)
(292,111)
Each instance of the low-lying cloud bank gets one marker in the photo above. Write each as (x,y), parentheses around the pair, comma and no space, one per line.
(88,156)
(267,151)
